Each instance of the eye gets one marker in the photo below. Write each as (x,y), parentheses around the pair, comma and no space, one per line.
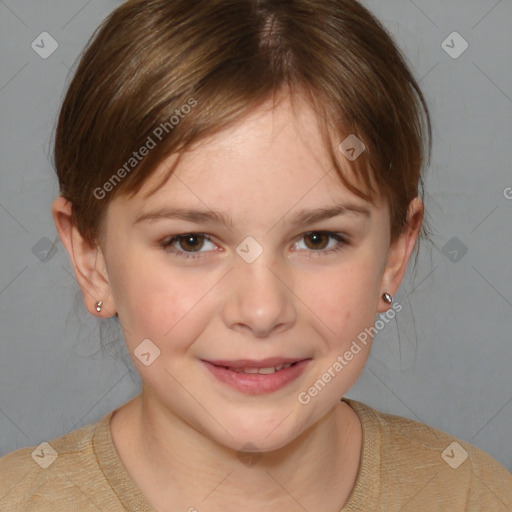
(191,245)
(187,244)
(322,242)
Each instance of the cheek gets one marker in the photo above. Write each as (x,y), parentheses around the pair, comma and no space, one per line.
(160,303)
(345,299)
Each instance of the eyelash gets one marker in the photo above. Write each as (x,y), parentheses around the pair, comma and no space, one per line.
(167,243)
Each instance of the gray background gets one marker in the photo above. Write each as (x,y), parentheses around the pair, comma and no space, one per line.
(445,362)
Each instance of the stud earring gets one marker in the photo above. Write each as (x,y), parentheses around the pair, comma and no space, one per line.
(387,298)
(98,306)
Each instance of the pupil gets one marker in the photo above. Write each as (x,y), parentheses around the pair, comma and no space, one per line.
(192,241)
(317,238)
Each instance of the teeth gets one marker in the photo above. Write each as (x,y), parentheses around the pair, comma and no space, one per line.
(265,371)
(262,371)
(249,370)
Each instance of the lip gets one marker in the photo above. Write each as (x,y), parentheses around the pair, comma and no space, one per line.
(255,383)
(253,363)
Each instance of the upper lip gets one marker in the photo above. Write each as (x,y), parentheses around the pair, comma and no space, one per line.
(253,363)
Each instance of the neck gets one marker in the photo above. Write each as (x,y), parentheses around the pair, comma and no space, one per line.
(171,462)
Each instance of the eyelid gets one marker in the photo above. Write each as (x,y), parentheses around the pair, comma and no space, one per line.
(344,236)
(168,242)
(341,239)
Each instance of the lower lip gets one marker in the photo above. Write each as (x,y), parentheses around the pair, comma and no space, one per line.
(255,383)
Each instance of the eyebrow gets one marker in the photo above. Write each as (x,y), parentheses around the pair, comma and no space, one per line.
(212,216)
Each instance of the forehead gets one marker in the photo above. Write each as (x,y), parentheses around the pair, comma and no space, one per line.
(272,160)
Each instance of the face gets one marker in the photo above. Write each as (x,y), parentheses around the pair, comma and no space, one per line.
(273,283)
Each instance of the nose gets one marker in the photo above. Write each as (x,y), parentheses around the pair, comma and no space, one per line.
(259,301)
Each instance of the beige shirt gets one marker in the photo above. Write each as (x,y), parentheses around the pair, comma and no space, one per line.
(405,466)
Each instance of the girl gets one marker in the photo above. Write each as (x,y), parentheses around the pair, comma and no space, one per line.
(241,187)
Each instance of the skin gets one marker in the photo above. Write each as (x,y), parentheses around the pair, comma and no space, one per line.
(180,437)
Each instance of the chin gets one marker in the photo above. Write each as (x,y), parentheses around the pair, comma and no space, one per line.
(257,444)
(258,434)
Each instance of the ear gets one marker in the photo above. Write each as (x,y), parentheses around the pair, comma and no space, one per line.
(400,252)
(87,260)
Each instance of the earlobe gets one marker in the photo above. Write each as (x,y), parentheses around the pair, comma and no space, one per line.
(400,252)
(87,260)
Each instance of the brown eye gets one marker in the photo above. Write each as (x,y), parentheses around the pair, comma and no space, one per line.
(321,243)
(191,242)
(316,240)
(189,245)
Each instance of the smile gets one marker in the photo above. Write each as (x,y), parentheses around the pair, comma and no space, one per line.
(257,377)
(262,371)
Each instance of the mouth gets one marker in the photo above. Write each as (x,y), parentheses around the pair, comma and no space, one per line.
(261,370)
(257,376)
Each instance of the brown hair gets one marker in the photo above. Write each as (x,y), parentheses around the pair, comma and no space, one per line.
(163,74)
